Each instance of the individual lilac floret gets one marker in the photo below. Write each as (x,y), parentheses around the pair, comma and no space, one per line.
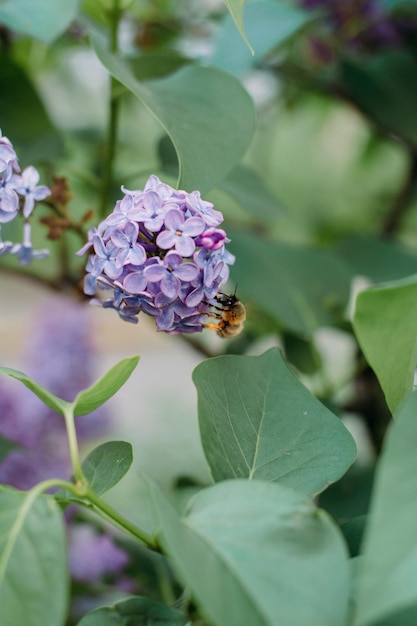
(7,154)
(24,251)
(161,252)
(26,185)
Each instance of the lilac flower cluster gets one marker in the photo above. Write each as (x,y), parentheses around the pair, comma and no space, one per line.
(358,24)
(19,191)
(161,252)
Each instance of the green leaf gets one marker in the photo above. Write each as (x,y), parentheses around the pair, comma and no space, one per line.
(393,4)
(42,19)
(33,136)
(384,87)
(268,24)
(48,398)
(249,190)
(134,612)
(385,324)
(6,446)
(259,554)
(33,569)
(387,584)
(236,9)
(90,399)
(207,114)
(377,259)
(302,288)
(258,421)
(106,465)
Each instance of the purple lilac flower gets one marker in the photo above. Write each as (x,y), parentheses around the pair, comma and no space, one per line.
(7,154)
(17,189)
(359,24)
(160,252)
(93,555)
(24,251)
(60,356)
(26,185)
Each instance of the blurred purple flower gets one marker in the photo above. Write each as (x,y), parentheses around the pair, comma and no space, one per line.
(60,356)
(93,555)
(360,25)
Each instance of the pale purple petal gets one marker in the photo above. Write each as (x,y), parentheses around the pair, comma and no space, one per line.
(166,239)
(135,282)
(170,285)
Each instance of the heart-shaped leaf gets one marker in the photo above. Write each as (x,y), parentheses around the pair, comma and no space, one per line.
(33,560)
(258,421)
(259,554)
(207,114)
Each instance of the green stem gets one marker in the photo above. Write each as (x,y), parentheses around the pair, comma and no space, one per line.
(45,485)
(403,200)
(119,520)
(99,505)
(73,446)
(114,108)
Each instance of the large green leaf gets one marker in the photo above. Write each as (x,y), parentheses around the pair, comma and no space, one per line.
(385,323)
(33,568)
(377,259)
(268,25)
(387,590)
(33,135)
(134,612)
(6,446)
(90,399)
(302,288)
(48,398)
(207,114)
(236,9)
(41,19)
(385,89)
(106,465)
(258,421)
(259,554)
(248,189)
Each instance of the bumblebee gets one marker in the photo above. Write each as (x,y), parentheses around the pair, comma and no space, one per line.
(231,316)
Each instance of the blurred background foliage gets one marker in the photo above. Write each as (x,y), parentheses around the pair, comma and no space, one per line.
(323,201)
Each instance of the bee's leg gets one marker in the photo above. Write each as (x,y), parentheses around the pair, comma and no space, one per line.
(211,326)
(213,306)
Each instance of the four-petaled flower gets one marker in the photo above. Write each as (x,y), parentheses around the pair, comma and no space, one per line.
(180,232)
(171,271)
(26,185)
